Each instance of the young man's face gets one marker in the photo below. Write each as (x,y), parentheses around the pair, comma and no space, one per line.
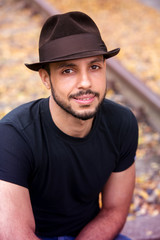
(79,86)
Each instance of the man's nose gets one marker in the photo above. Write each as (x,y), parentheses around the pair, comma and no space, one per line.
(84,80)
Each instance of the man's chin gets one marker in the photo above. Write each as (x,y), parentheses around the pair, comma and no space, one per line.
(85,115)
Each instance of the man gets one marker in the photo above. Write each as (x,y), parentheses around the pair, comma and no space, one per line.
(58,154)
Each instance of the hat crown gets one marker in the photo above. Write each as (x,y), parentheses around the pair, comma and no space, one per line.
(69,36)
(67,24)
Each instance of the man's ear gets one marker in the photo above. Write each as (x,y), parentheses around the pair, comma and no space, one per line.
(45,78)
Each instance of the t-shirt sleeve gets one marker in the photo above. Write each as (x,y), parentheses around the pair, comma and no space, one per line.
(15,156)
(128,141)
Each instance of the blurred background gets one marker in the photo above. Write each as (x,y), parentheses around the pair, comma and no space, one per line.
(134,26)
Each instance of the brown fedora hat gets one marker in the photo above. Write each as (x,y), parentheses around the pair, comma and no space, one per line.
(70,36)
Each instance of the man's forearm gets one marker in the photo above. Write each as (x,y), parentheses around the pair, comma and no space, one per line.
(28,237)
(106,225)
(17,234)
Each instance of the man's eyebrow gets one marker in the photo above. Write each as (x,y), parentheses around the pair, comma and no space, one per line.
(70,64)
(65,64)
(97,60)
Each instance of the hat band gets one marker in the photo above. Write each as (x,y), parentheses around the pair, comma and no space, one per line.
(71,45)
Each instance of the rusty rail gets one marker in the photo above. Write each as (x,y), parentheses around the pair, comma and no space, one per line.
(135,91)
(42,6)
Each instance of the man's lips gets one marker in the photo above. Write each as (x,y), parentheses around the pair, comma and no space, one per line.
(85,99)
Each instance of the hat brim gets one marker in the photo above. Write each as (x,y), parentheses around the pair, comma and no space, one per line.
(38,65)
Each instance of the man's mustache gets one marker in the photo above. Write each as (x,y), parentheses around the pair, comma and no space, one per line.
(81,93)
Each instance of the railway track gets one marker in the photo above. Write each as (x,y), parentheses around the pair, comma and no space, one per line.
(134,90)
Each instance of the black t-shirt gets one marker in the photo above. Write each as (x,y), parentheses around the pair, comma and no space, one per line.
(64,174)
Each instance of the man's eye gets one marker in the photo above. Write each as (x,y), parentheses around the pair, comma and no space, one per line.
(67,71)
(94,67)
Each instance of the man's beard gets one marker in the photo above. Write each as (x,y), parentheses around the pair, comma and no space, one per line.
(67,108)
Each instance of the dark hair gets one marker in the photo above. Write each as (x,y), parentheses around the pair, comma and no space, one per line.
(46,67)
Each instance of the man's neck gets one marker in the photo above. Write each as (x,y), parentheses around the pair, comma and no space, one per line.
(67,123)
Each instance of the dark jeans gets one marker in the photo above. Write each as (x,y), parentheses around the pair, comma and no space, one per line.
(119,237)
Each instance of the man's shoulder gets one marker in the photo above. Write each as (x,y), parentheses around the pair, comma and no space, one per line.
(112,107)
(24,114)
(117,115)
